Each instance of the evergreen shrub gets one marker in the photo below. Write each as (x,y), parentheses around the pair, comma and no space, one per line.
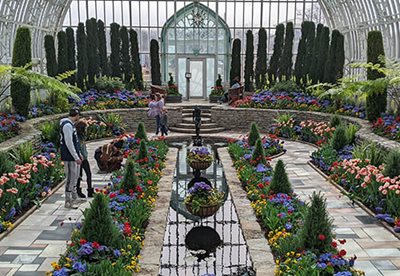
(258,156)
(254,135)
(141,132)
(280,181)
(392,164)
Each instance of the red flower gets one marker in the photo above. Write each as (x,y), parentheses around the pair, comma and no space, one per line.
(121,191)
(130,191)
(342,241)
(321,237)
(342,253)
(112,195)
(263,196)
(139,189)
(334,244)
(149,182)
(95,245)
(82,241)
(72,244)
(260,185)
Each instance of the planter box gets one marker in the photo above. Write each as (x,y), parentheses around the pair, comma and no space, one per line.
(173,99)
(214,99)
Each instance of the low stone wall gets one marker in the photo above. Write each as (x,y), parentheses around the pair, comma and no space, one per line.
(241,118)
(131,118)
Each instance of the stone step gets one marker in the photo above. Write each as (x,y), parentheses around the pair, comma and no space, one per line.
(190,120)
(191,125)
(203,109)
(203,115)
(193,132)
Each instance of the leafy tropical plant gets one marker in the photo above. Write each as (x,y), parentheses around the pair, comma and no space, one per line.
(369,151)
(50,132)
(109,84)
(23,153)
(351,130)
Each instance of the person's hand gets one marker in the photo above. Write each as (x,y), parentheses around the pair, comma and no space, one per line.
(78,161)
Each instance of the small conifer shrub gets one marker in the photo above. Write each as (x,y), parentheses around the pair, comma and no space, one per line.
(280,181)
(392,164)
(254,135)
(129,181)
(335,121)
(141,132)
(258,156)
(142,150)
(339,139)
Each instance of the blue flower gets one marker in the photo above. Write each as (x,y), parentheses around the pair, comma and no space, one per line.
(321,265)
(62,272)
(116,253)
(80,267)
(343,273)
(261,168)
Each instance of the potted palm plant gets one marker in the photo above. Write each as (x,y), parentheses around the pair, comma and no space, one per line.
(173,95)
(203,200)
(199,158)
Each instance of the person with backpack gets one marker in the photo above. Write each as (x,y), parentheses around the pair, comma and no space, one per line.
(71,156)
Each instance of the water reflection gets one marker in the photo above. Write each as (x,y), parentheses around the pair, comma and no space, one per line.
(230,257)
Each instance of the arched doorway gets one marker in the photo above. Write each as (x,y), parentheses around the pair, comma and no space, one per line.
(195,40)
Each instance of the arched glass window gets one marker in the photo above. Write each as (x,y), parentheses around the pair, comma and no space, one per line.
(195,40)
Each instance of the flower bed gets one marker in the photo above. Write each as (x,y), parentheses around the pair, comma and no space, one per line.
(282,216)
(298,101)
(9,126)
(28,183)
(388,126)
(130,210)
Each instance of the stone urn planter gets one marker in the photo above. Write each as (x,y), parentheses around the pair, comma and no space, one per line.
(204,211)
(176,98)
(200,165)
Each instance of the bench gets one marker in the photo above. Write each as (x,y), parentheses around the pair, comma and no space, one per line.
(235,94)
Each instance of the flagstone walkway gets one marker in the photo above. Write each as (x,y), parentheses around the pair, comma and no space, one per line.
(376,248)
(38,241)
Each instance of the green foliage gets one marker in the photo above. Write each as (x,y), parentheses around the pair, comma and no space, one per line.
(98,224)
(93,51)
(103,60)
(142,150)
(109,84)
(280,181)
(155,62)
(105,268)
(22,56)
(129,181)
(235,62)
(335,61)
(316,234)
(309,51)
(278,45)
(115,56)
(22,154)
(71,54)
(137,68)
(81,45)
(376,100)
(314,65)
(258,156)
(138,212)
(141,132)
(125,57)
(111,119)
(392,164)
(339,139)
(50,132)
(370,151)
(340,57)
(248,63)
(285,86)
(254,135)
(286,61)
(172,88)
(301,52)
(6,164)
(323,54)
(335,121)
(261,63)
(62,52)
(51,60)
(351,131)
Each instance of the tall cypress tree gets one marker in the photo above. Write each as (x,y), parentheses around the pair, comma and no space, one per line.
(137,67)
(376,100)
(286,61)
(261,63)
(278,45)
(249,62)
(301,53)
(155,62)
(71,53)
(62,52)
(22,55)
(93,50)
(125,57)
(314,64)
(323,53)
(330,66)
(309,50)
(235,63)
(51,60)
(340,57)
(81,46)
(115,56)
(101,32)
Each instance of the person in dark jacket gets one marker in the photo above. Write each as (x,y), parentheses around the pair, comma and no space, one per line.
(109,157)
(81,127)
(71,156)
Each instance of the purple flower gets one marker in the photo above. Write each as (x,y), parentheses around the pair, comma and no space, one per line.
(200,187)
(80,267)
(85,249)
(62,272)
(321,265)
(261,168)
(116,253)
(247,156)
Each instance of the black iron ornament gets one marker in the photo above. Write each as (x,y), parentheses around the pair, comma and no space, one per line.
(197,140)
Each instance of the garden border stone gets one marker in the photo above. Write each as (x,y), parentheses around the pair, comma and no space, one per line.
(260,252)
(155,231)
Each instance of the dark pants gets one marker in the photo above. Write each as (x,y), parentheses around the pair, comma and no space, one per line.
(158,124)
(85,166)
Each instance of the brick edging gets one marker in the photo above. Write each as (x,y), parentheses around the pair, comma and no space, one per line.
(155,231)
(260,252)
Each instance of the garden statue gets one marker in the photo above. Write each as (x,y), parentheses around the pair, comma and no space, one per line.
(197,123)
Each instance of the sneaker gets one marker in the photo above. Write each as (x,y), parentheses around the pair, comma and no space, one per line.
(71,205)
